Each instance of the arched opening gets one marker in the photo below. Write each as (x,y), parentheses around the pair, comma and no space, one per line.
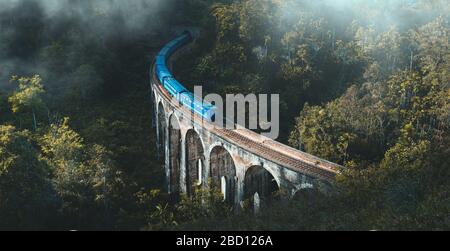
(308,197)
(161,130)
(223,173)
(306,194)
(174,156)
(194,161)
(259,187)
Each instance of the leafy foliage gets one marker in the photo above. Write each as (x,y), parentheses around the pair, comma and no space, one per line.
(29,96)
(27,197)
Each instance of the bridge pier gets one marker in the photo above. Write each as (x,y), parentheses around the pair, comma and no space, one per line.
(183,174)
(175,148)
(240,175)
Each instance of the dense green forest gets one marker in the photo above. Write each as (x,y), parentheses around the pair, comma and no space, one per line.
(362,83)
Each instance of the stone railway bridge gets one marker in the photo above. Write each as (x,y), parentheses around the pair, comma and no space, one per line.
(243,164)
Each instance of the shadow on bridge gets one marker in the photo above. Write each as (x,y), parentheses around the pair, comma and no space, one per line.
(195,171)
(174,158)
(259,187)
(223,173)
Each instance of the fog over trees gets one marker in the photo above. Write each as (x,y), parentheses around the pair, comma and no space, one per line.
(363,83)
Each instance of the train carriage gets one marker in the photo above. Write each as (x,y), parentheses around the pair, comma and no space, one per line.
(175,88)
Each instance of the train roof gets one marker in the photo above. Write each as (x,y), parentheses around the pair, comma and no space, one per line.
(162,69)
(160,60)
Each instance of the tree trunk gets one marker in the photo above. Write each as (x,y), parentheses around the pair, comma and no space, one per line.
(34,120)
(49,117)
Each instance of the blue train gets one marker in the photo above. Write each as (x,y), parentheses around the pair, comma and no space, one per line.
(175,88)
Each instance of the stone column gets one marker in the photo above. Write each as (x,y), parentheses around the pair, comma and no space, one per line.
(240,174)
(167,156)
(183,187)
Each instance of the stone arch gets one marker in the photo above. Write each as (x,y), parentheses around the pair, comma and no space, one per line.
(259,186)
(223,173)
(195,161)
(308,196)
(304,192)
(174,156)
(162,125)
